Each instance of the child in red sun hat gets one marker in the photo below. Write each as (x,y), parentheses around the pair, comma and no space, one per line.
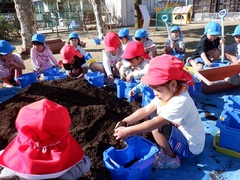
(177,127)
(73,62)
(112,60)
(138,61)
(43,147)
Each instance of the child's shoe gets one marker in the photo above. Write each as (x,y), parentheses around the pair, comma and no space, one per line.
(7,85)
(163,161)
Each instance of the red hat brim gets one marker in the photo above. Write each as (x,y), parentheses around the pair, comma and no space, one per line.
(26,162)
(154,80)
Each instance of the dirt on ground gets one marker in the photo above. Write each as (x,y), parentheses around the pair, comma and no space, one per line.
(94,113)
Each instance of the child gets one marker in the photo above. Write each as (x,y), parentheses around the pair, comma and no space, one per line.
(138,60)
(232,52)
(41,55)
(150,47)
(73,39)
(176,44)
(73,62)
(112,60)
(177,128)
(124,37)
(207,49)
(44,147)
(10,64)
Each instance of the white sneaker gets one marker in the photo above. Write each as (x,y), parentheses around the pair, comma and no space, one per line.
(6,173)
(163,161)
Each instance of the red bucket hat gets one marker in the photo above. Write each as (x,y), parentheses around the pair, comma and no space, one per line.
(43,147)
(134,49)
(165,68)
(68,52)
(111,41)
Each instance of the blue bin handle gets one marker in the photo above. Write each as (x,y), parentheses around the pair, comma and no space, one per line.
(112,164)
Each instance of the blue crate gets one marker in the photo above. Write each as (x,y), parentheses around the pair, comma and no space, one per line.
(217,64)
(232,103)
(124,87)
(229,125)
(147,96)
(27,79)
(139,150)
(95,78)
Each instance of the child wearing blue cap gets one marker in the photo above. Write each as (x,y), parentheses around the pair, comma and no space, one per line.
(207,49)
(74,40)
(232,52)
(150,47)
(9,63)
(124,37)
(41,56)
(175,44)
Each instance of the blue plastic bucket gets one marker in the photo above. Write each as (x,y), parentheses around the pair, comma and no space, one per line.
(133,162)
(27,79)
(95,78)
(97,41)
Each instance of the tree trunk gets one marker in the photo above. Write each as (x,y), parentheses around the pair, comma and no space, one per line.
(138,15)
(25,11)
(98,16)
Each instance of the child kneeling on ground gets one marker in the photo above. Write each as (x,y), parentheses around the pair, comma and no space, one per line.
(177,128)
(10,64)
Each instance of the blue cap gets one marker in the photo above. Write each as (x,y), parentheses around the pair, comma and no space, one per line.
(236,31)
(123,32)
(5,47)
(38,38)
(140,33)
(212,28)
(73,35)
(175,28)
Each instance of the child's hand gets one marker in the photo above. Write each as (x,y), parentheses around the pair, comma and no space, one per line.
(222,41)
(226,79)
(121,123)
(121,133)
(208,63)
(131,93)
(110,80)
(129,77)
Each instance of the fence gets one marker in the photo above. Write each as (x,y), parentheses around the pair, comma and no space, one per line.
(231,16)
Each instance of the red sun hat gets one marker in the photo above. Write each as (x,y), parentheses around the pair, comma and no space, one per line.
(43,147)
(134,49)
(165,68)
(68,52)
(111,41)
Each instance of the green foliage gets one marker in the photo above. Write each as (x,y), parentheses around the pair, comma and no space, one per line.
(7,28)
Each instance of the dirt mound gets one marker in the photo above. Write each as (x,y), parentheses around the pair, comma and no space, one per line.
(94,113)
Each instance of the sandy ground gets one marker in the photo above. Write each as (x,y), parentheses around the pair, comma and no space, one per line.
(192,33)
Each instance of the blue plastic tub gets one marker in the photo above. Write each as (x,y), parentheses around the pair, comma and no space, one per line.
(97,41)
(232,103)
(124,87)
(95,78)
(229,125)
(133,162)
(27,79)
(147,96)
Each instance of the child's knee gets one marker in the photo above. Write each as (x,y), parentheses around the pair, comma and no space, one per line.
(214,54)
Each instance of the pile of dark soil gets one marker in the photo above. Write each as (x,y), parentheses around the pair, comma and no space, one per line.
(94,113)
